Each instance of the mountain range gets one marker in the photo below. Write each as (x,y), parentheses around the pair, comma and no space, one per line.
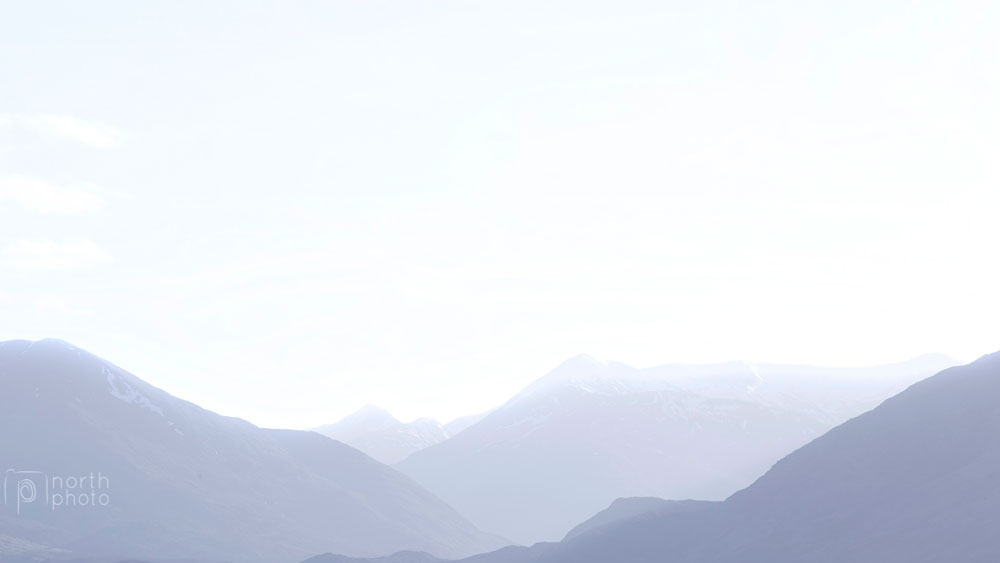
(913,480)
(590,431)
(175,481)
(908,479)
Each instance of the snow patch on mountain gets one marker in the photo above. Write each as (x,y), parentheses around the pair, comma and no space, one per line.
(123,391)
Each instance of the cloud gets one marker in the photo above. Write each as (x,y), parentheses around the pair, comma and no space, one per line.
(43,254)
(40,196)
(91,133)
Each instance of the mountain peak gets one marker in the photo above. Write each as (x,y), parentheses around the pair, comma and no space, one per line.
(371,412)
(48,344)
(67,412)
(581,363)
(57,342)
(582,371)
(383,437)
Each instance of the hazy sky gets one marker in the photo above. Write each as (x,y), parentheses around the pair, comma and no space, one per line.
(285,211)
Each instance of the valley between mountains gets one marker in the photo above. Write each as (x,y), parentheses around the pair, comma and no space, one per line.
(594,462)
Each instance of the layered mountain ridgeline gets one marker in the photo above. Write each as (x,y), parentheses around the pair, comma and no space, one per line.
(913,480)
(621,511)
(172,480)
(383,437)
(625,509)
(590,432)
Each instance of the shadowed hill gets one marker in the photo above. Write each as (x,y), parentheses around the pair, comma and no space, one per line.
(183,482)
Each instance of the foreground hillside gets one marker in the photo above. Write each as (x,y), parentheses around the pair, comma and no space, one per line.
(182,482)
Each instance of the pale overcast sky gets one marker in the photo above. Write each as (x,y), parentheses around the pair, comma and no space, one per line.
(283,211)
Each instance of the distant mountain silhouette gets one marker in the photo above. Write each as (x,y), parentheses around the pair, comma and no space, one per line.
(184,482)
(378,433)
(463,422)
(590,432)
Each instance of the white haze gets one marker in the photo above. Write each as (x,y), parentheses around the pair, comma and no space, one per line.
(285,211)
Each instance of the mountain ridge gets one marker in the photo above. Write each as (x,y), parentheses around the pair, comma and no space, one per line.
(189,483)
(528,470)
(910,480)
(379,434)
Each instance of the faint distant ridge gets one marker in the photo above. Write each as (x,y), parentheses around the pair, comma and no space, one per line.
(379,434)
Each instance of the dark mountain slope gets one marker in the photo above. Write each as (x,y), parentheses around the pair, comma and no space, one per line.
(183,482)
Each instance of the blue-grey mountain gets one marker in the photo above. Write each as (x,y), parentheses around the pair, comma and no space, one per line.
(914,480)
(183,482)
(590,432)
